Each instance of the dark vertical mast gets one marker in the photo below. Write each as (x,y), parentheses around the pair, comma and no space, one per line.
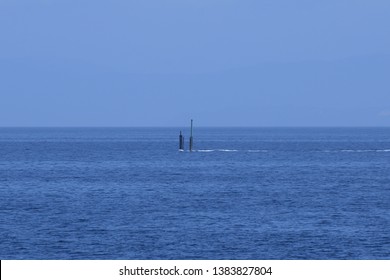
(191,139)
(181,142)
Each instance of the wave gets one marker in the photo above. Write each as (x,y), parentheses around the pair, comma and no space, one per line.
(321,151)
(365,151)
(229,150)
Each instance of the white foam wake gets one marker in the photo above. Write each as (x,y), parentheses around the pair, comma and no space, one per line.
(365,151)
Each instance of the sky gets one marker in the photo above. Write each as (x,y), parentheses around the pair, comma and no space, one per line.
(219,62)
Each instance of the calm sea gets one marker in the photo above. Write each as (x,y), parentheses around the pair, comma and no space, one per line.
(244,193)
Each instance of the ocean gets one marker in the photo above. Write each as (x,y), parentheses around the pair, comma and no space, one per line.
(243,193)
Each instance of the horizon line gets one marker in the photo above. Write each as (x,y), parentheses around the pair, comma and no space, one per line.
(204,126)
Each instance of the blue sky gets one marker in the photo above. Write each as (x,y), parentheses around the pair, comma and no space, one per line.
(221,62)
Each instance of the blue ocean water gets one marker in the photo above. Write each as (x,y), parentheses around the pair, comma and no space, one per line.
(244,193)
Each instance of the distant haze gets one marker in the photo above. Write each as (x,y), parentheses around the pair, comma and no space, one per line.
(220,62)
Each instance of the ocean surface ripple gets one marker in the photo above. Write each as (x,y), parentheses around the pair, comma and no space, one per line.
(244,193)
